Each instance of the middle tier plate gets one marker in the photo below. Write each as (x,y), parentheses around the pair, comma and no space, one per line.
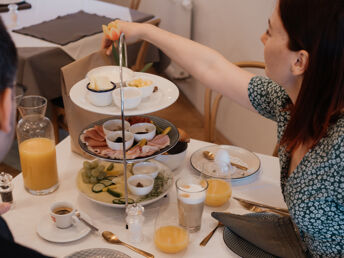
(165,96)
(160,122)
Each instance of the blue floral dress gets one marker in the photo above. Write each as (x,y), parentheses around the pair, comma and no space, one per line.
(314,192)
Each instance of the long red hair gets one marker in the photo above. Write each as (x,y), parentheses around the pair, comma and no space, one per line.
(316,26)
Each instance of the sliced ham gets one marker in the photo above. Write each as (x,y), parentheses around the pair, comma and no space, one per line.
(93,143)
(93,133)
(148,150)
(100,131)
(161,141)
(134,152)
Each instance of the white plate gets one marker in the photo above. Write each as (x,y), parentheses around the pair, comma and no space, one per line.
(46,229)
(98,252)
(238,155)
(166,95)
(163,169)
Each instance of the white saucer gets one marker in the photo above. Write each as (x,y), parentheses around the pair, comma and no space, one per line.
(46,229)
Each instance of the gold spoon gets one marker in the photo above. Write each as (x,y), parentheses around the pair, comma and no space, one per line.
(211,156)
(112,238)
(207,238)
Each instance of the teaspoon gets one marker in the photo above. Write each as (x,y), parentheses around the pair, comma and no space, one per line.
(211,156)
(112,238)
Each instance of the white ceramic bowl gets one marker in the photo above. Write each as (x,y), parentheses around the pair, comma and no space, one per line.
(144,83)
(146,168)
(112,72)
(100,98)
(173,161)
(145,180)
(114,125)
(111,140)
(132,97)
(143,131)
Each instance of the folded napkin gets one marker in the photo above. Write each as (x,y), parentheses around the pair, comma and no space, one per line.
(260,235)
(21,6)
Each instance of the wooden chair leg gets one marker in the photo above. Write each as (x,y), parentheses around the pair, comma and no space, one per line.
(213,115)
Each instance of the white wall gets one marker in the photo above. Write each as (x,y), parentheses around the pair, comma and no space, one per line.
(233,27)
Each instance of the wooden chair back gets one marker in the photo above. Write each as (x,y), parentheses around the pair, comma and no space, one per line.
(211,106)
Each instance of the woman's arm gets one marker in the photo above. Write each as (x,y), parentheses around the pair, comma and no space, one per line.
(203,63)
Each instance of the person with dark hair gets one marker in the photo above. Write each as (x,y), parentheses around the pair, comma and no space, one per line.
(303,92)
(8,68)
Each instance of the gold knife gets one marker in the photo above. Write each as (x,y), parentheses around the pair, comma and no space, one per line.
(261,205)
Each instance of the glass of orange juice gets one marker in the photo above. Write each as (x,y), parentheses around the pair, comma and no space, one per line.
(218,193)
(169,237)
(36,142)
(219,186)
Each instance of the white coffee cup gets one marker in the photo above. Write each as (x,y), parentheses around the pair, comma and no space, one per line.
(63,214)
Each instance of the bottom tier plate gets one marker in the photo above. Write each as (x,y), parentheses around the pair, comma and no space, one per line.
(165,178)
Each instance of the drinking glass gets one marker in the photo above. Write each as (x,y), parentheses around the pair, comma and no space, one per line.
(36,143)
(191,193)
(169,237)
(219,186)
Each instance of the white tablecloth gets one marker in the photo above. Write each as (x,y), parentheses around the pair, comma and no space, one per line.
(30,209)
(44,10)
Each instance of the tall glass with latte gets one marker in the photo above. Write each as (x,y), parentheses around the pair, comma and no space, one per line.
(191,193)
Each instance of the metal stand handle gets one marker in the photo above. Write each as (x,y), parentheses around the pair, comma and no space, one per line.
(121,43)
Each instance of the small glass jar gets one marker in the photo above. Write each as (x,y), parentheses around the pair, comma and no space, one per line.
(135,220)
(13,11)
(6,187)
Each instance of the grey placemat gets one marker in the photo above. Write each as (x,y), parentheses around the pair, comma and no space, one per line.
(67,29)
(72,27)
(273,234)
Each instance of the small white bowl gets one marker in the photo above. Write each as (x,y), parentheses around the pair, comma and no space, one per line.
(143,131)
(112,72)
(146,168)
(111,138)
(114,125)
(132,97)
(146,181)
(100,98)
(144,83)
(173,161)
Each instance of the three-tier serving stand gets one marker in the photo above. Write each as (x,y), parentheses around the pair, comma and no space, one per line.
(124,161)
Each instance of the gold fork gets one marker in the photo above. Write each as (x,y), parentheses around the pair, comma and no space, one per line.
(255,208)
(207,238)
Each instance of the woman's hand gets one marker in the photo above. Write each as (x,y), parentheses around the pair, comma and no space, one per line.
(114,29)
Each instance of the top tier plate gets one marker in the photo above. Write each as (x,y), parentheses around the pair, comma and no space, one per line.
(166,95)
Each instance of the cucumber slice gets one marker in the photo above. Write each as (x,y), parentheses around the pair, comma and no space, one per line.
(97,188)
(106,182)
(117,201)
(114,193)
(122,201)
(110,167)
(110,177)
(130,201)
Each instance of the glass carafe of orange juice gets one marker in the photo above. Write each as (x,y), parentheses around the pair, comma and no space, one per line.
(36,141)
